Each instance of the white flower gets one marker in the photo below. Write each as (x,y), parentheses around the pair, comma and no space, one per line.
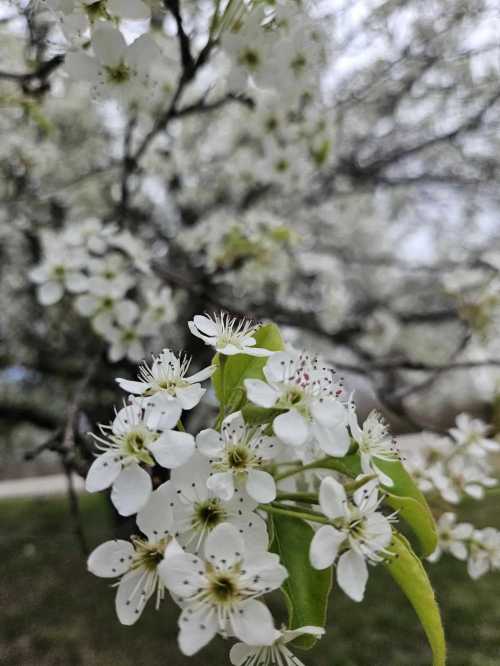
(471,434)
(77,16)
(452,537)
(136,563)
(117,69)
(165,381)
(237,455)
(484,552)
(60,270)
(308,394)
(197,510)
(160,307)
(137,436)
(90,234)
(277,654)
(460,475)
(374,442)
(218,594)
(107,310)
(108,274)
(228,335)
(361,535)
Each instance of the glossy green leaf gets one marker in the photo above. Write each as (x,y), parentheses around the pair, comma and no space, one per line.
(406,497)
(230,389)
(306,589)
(409,573)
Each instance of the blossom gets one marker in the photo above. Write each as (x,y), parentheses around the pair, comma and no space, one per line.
(361,534)
(60,270)
(129,442)
(219,593)
(374,443)
(227,334)
(166,383)
(136,563)
(472,435)
(197,510)
(107,309)
(452,537)
(484,552)
(237,455)
(307,394)
(278,653)
(117,69)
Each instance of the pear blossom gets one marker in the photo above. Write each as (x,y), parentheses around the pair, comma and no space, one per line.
(125,340)
(59,271)
(308,396)
(197,510)
(138,436)
(117,69)
(277,654)
(359,534)
(374,442)
(136,562)
(219,592)
(165,381)
(484,552)
(107,309)
(238,454)
(109,274)
(453,537)
(472,435)
(229,336)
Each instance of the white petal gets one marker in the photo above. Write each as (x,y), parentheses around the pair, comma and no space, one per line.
(135,10)
(352,574)
(459,550)
(196,629)
(132,595)
(131,490)
(253,623)
(240,652)
(190,396)
(126,312)
(280,367)
(162,412)
(224,546)
(260,393)
(202,374)
(182,574)
(111,559)
(126,418)
(109,45)
(50,293)
(329,413)
(333,441)
(324,547)
(292,634)
(137,388)
(292,428)
(253,529)
(222,485)
(155,519)
(210,442)
(103,471)
(172,448)
(332,498)
(143,53)
(205,325)
(80,66)
(261,486)
(256,351)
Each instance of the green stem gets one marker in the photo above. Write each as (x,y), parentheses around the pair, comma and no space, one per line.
(323,463)
(306,498)
(180,426)
(292,512)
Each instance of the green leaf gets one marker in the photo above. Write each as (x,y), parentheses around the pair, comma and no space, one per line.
(259,415)
(240,367)
(405,497)
(306,589)
(409,573)
(349,465)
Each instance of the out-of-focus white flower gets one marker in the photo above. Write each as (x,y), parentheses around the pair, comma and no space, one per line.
(472,435)
(361,534)
(60,270)
(484,552)
(453,537)
(219,593)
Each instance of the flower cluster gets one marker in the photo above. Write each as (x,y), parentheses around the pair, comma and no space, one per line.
(106,273)
(206,530)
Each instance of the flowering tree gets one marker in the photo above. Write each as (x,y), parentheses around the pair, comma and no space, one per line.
(283,161)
